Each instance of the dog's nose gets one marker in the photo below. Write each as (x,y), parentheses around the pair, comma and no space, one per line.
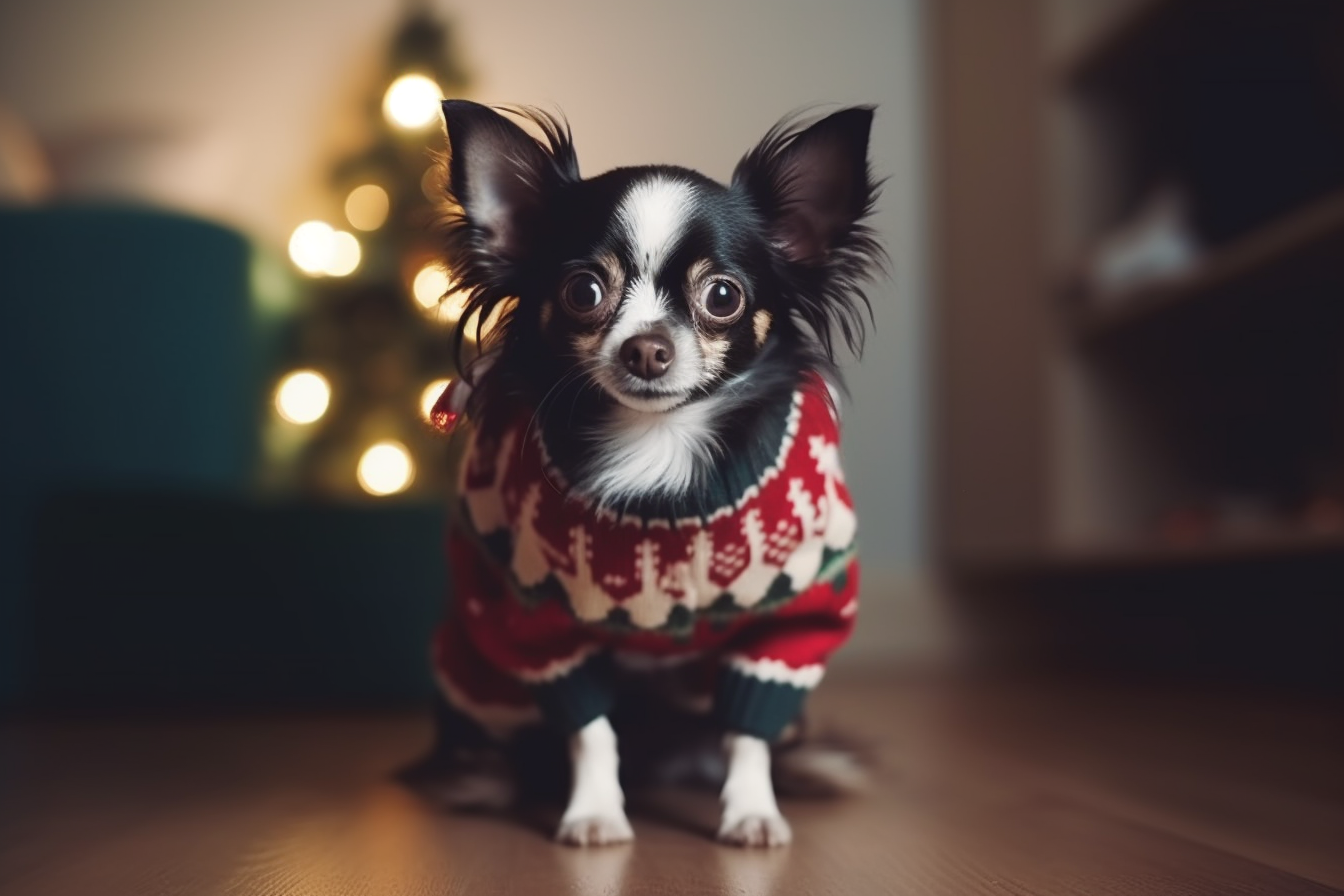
(648,355)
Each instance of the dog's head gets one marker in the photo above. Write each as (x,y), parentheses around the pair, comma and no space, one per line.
(648,289)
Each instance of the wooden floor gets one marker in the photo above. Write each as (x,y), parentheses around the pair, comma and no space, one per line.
(980,789)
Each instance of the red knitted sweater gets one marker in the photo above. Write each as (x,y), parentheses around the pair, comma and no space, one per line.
(755,577)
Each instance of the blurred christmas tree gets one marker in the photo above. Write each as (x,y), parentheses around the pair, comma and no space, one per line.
(371,346)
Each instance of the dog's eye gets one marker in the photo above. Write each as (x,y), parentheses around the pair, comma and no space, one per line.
(723,301)
(582,294)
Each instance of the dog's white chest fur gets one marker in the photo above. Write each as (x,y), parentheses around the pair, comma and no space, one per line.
(653,453)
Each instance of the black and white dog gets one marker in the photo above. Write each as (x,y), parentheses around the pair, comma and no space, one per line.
(652,488)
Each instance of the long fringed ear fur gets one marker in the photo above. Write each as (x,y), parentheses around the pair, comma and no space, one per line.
(501,176)
(814,189)
(498,181)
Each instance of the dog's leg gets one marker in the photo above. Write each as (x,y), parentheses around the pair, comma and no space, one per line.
(750,814)
(596,812)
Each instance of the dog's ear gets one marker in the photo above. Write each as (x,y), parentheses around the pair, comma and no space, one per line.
(499,175)
(812,185)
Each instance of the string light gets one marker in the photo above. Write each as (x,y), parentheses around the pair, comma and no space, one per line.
(366,207)
(431,291)
(302,396)
(430,285)
(345,254)
(317,249)
(431,184)
(412,102)
(310,247)
(385,469)
(491,322)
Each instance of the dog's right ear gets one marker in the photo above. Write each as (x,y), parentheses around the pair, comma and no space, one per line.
(500,176)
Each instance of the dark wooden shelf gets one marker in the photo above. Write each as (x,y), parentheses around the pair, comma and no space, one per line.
(1115,42)
(1286,545)
(1291,245)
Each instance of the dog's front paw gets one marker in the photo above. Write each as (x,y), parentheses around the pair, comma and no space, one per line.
(756,831)
(595,830)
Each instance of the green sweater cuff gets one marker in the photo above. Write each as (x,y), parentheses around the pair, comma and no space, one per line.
(749,705)
(578,697)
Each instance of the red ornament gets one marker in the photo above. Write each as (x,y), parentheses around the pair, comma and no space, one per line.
(448,408)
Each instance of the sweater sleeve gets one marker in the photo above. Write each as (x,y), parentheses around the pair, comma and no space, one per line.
(541,646)
(771,668)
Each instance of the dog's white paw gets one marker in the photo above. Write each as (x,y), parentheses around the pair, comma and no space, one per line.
(756,831)
(595,830)
(596,812)
(750,814)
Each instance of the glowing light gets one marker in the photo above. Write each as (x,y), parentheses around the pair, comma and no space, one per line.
(303,396)
(311,247)
(431,290)
(345,254)
(431,395)
(274,291)
(412,102)
(430,285)
(431,184)
(491,322)
(385,469)
(366,207)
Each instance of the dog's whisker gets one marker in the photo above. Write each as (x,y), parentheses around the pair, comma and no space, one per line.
(576,370)
(575,374)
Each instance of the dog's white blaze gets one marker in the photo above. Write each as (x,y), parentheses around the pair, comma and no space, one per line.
(642,306)
(655,453)
(652,215)
(641,311)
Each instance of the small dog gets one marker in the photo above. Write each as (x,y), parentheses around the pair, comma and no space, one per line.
(652,489)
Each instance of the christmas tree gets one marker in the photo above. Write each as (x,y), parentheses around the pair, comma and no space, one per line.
(371,347)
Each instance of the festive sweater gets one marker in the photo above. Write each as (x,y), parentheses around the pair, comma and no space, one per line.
(752,580)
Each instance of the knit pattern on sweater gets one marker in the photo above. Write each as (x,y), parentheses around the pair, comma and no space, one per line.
(758,571)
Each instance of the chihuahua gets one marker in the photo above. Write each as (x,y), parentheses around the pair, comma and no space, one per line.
(652,490)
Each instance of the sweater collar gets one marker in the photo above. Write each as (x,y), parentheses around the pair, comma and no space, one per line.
(725,483)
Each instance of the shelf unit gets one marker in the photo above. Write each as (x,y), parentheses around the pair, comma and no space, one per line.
(1214,395)
(1077,425)
(1173,452)
(1305,243)
(1276,547)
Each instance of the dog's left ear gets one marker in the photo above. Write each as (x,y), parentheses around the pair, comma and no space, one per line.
(812,185)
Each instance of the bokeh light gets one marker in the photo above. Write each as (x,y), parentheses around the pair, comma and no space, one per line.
(431,289)
(385,469)
(412,102)
(311,248)
(491,322)
(366,207)
(432,185)
(345,254)
(302,396)
(430,285)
